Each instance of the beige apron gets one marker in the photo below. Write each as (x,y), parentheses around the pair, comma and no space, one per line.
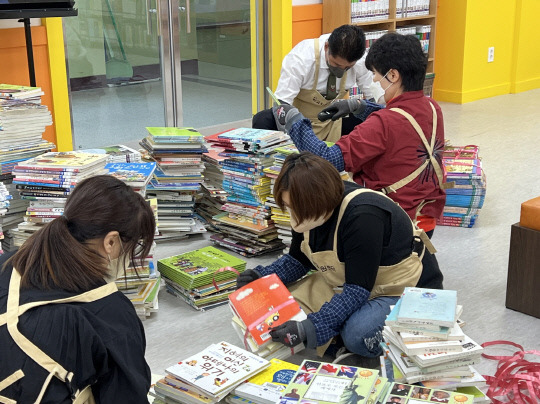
(311,102)
(315,290)
(11,318)
(429,148)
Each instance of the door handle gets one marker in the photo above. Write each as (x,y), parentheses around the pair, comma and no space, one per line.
(187,10)
(149,11)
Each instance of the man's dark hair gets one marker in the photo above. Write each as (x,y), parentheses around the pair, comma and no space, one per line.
(348,42)
(400,52)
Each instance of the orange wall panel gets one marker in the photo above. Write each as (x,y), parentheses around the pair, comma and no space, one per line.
(14,66)
(306,22)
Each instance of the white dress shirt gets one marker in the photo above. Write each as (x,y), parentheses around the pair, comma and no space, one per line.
(298,72)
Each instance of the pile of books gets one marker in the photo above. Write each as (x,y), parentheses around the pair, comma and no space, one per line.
(136,175)
(401,393)
(46,181)
(463,202)
(177,178)
(213,196)
(5,197)
(259,306)
(426,343)
(209,375)
(22,122)
(246,227)
(140,284)
(195,277)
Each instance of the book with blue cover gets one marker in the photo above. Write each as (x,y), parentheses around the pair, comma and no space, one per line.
(428,306)
(133,174)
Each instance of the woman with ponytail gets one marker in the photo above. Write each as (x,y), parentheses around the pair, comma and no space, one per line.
(67,335)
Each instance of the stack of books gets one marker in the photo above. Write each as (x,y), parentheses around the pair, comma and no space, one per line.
(46,181)
(22,122)
(5,197)
(213,196)
(263,304)
(136,175)
(117,153)
(463,202)
(325,383)
(13,217)
(425,342)
(209,375)
(195,276)
(265,387)
(246,227)
(177,178)
(140,284)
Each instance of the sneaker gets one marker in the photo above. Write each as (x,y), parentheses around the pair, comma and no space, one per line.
(347,358)
(341,354)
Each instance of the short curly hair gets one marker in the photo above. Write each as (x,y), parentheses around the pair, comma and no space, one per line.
(403,53)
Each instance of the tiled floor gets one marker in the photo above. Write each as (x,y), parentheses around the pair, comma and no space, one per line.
(474,261)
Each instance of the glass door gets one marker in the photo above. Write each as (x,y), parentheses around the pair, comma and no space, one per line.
(115,71)
(215,58)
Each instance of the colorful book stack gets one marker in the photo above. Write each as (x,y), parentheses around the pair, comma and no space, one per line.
(411,8)
(136,175)
(265,387)
(22,122)
(5,197)
(46,181)
(13,218)
(405,393)
(463,202)
(370,10)
(177,178)
(425,342)
(213,196)
(196,276)
(117,153)
(246,227)
(259,306)
(140,284)
(326,383)
(209,375)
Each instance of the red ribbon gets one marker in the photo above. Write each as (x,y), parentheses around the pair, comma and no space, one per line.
(222,270)
(516,378)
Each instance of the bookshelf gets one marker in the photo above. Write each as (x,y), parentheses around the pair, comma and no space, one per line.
(338,12)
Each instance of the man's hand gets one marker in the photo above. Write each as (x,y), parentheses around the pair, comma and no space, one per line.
(341,108)
(285,116)
(290,333)
(246,277)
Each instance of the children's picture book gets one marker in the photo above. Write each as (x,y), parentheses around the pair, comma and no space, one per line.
(200,267)
(67,161)
(263,304)
(118,153)
(266,387)
(400,393)
(428,306)
(326,383)
(133,174)
(218,368)
(172,135)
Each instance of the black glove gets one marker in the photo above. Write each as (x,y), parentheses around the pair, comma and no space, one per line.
(246,277)
(290,333)
(285,116)
(341,108)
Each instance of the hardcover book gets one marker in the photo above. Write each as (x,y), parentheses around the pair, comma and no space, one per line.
(133,174)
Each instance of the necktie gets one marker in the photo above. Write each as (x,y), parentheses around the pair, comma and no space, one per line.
(331,92)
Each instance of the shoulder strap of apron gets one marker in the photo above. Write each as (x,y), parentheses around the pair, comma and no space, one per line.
(317,63)
(8,381)
(429,147)
(344,205)
(12,318)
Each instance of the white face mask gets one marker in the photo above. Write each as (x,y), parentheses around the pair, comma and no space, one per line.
(306,225)
(117,266)
(379,86)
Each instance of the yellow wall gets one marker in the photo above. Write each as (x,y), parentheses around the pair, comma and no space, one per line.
(526,61)
(466,29)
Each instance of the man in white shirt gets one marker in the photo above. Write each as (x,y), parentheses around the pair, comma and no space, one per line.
(318,71)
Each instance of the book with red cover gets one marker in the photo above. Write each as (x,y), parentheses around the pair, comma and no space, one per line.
(262,304)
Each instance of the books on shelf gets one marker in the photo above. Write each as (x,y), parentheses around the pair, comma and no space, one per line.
(325,383)
(215,371)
